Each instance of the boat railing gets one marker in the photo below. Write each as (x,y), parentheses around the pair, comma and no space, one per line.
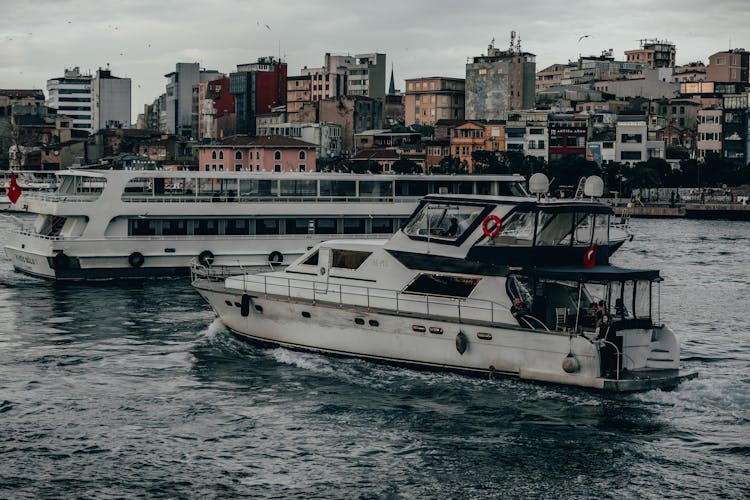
(57,197)
(267,199)
(465,309)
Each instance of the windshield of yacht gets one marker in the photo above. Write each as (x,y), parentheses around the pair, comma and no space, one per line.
(443,220)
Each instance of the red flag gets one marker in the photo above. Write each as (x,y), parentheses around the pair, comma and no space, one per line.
(14,190)
(589,257)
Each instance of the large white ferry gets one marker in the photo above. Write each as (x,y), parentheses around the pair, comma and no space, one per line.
(103,224)
(438,294)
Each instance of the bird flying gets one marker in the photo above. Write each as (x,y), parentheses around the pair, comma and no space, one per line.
(581,38)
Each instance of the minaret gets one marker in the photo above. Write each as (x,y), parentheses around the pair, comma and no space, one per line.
(392,86)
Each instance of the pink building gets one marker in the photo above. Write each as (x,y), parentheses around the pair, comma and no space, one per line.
(259,154)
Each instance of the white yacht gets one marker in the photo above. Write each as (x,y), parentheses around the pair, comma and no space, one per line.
(438,295)
(103,224)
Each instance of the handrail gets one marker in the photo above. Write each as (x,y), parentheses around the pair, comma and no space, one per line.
(357,295)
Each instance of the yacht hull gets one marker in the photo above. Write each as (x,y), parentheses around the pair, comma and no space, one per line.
(424,342)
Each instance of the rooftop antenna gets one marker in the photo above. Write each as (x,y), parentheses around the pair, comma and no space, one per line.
(512,39)
(518,44)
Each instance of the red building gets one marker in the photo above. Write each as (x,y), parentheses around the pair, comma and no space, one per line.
(567,136)
(257,87)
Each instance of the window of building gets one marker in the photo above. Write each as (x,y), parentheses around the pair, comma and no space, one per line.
(301,155)
(213,155)
(631,138)
(277,155)
(257,155)
(238,155)
(277,168)
(302,167)
(630,155)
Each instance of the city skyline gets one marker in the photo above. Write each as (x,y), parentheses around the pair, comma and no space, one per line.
(143,41)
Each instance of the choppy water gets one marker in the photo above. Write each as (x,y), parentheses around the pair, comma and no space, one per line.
(125,390)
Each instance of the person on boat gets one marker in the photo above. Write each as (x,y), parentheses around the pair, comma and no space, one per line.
(453,228)
(519,311)
(599,312)
(611,349)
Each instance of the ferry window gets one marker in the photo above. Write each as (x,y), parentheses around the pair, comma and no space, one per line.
(442,220)
(511,189)
(411,188)
(325,226)
(442,187)
(141,227)
(338,188)
(375,188)
(554,228)
(174,227)
(238,227)
(297,226)
(382,226)
(238,155)
(206,227)
(277,155)
(463,188)
(642,299)
(484,187)
(137,185)
(267,226)
(208,187)
(517,229)
(258,188)
(299,188)
(354,226)
(448,286)
(348,259)
(311,260)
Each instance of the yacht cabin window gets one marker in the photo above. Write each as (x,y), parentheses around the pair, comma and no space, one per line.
(311,260)
(348,259)
(443,285)
(445,221)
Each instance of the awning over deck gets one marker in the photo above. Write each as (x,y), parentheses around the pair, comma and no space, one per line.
(594,274)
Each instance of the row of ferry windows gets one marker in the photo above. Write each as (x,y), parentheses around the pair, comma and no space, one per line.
(262,226)
(230,188)
(238,155)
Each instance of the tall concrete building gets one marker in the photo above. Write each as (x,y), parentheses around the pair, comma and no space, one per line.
(500,82)
(110,101)
(654,53)
(257,88)
(428,100)
(366,76)
(330,79)
(181,106)
(70,95)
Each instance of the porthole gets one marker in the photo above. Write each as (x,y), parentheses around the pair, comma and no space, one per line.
(374,322)
(305,314)
(484,335)
(436,330)
(418,328)
(259,309)
(359,321)
(237,304)
(229,303)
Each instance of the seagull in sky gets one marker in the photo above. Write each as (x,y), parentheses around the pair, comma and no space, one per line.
(581,38)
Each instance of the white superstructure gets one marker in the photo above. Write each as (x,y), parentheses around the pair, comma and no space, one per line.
(438,295)
(137,223)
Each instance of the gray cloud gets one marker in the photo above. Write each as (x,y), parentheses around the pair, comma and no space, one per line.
(143,39)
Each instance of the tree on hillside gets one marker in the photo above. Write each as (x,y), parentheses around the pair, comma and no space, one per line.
(366,167)
(406,166)
(450,165)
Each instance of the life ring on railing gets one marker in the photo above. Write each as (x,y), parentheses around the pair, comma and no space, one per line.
(491,232)
(206,258)
(275,258)
(61,261)
(136,259)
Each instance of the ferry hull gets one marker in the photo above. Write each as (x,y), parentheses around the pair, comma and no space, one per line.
(425,342)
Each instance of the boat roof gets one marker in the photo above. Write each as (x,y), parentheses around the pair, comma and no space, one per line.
(594,274)
(549,204)
(285,175)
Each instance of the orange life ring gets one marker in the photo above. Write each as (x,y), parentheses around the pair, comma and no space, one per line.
(491,233)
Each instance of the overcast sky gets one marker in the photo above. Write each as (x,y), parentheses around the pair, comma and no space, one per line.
(143,39)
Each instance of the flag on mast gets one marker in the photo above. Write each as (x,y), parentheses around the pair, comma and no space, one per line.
(14,190)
